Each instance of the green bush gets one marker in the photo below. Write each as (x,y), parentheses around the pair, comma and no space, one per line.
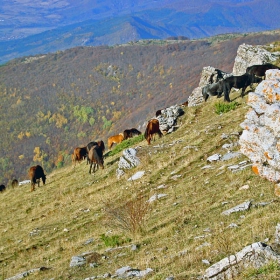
(221,108)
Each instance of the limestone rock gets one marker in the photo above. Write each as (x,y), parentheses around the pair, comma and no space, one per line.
(255,255)
(260,139)
(248,55)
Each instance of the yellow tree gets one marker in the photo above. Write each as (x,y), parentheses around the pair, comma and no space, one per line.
(39,155)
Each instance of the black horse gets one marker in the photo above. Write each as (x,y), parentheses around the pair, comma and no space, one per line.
(259,70)
(130,133)
(215,89)
(238,82)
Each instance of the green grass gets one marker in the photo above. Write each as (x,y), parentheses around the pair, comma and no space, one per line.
(221,108)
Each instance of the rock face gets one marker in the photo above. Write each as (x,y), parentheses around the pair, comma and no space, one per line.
(248,55)
(260,139)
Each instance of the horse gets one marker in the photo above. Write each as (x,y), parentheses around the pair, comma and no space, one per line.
(95,157)
(130,133)
(79,154)
(115,140)
(259,70)
(238,82)
(93,143)
(212,90)
(151,129)
(15,183)
(35,173)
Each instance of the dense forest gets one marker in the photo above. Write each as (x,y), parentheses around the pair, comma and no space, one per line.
(51,103)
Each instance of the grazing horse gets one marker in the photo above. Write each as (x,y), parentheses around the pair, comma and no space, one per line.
(115,140)
(93,143)
(212,90)
(79,154)
(238,82)
(35,173)
(15,183)
(151,129)
(130,133)
(259,70)
(2,188)
(95,157)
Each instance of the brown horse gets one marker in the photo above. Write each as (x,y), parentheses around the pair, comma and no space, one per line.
(151,129)
(79,154)
(95,157)
(115,140)
(35,173)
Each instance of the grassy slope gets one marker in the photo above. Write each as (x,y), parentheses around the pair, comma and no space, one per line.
(193,204)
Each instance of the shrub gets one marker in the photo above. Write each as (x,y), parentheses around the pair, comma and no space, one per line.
(221,108)
(130,216)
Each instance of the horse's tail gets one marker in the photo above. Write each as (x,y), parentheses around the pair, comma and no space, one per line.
(146,132)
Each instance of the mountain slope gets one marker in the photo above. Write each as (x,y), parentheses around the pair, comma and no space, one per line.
(76,212)
(51,104)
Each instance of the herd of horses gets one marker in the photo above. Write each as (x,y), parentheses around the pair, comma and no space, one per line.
(254,74)
(94,151)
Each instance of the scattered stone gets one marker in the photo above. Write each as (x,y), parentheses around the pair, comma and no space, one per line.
(215,157)
(245,187)
(27,273)
(229,156)
(206,262)
(77,261)
(241,207)
(233,225)
(255,255)
(137,176)
(156,197)
(88,241)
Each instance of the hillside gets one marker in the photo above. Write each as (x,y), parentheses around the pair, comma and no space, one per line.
(35,27)
(76,212)
(52,103)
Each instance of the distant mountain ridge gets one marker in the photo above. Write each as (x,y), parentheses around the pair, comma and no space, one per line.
(39,27)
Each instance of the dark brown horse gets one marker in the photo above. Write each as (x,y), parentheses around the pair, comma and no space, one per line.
(151,129)
(94,143)
(35,173)
(130,133)
(95,157)
(259,70)
(79,154)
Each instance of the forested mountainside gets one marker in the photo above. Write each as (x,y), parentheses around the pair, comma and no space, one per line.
(55,102)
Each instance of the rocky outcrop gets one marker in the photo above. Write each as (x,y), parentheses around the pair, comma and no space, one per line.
(260,139)
(248,55)
(168,118)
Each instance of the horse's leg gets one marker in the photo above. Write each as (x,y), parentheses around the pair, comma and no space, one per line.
(90,167)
